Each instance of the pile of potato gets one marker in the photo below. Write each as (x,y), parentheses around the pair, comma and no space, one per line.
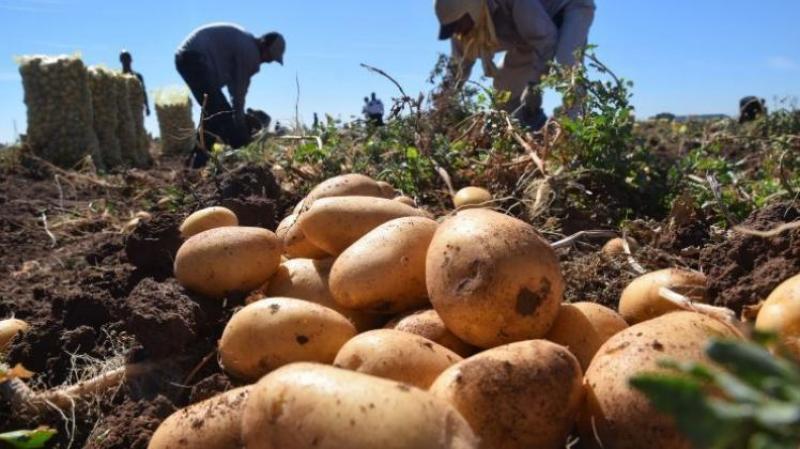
(59,103)
(174,113)
(369,324)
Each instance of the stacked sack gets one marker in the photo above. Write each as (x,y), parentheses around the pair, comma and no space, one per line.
(59,101)
(126,131)
(136,100)
(106,114)
(174,112)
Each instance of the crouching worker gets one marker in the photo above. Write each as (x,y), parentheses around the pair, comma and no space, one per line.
(531,32)
(224,55)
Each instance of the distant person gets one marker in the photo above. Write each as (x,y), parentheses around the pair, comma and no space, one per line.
(280,130)
(316,124)
(531,32)
(365,109)
(751,108)
(374,110)
(224,55)
(126,60)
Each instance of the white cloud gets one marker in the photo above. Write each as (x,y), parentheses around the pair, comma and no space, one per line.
(783,63)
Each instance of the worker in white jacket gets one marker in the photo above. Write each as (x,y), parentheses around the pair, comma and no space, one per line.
(531,32)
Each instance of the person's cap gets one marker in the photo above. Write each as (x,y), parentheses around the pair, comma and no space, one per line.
(278,48)
(449,12)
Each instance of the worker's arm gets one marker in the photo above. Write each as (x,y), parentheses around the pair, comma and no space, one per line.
(536,28)
(238,91)
(460,68)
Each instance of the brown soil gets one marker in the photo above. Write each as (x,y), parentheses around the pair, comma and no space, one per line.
(100,293)
(744,269)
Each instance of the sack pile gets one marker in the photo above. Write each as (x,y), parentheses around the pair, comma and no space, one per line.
(106,117)
(174,112)
(136,100)
(60,114)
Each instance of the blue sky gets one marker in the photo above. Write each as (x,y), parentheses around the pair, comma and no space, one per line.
(685,56)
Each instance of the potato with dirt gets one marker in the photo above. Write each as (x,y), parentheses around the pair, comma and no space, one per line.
(384,271)
(295,243)
(518,396)
(273,332)
(9,329)
(643,300)
(780,314)
(396,355)
(333,224)
(231,259)
(208,218)
(427,323)
(583,327)
(307,279)
(472,197)
(306,405)
(352,184)
(623,418)
(493,279)
(211,424)
(616,246)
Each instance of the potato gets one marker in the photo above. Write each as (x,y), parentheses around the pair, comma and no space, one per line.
(622,417)
(396,355)
(306,405)
(472,197)
(492,278)
(780,314)
(348,185)
(518,396)
(295,243)
(333,224)
(208,218)
(273,332)
(211,424)
(226,260)
(641,301)
(428,324)
(307,279)
(408,201)
(583,327)
(615,247)
(9,329)
(359,278)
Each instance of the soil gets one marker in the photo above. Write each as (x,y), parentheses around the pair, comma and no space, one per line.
(102,288)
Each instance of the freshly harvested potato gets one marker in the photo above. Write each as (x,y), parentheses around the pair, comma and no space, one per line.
(333,224)
(641,300)
(780,314)
(273,332)
(10,328)
(398,247)
(623,417)
(396,355)
(428,324)
(295,243)
(408,201)
(225,260)
(472,197)
(492,278)
(387,189)
(215,423)
(306,405)
(615,246)
(582,327)
(308,279)
(208,218)
(518,396)
(352,184)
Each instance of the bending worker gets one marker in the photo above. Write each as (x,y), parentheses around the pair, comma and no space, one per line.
(224,55)
(531,32)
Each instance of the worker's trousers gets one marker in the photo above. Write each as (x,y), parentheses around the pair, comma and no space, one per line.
(521,67)
(219,123)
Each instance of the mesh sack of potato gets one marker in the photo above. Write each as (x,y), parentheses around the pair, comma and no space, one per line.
(174,112)
(126,131)
(59,103)
(106,120)
(136,100)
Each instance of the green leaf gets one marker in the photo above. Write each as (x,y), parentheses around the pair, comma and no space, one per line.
(751,362)
(412,153)
(28,439)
